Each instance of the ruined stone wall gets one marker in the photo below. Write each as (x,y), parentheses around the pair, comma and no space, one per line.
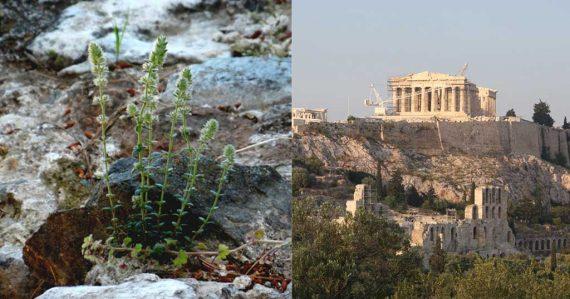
(542,244)
(479,138)
(486,237)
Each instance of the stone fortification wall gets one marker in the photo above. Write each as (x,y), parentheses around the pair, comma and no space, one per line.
(479,138)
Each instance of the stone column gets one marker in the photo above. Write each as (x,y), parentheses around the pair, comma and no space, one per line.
(470,97)
(453,96)
(462,107)
(444,99)
(433,99)
(424,99)
(414,101)
(403,100)
(395,98)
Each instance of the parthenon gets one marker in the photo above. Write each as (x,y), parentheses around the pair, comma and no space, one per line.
(428,94)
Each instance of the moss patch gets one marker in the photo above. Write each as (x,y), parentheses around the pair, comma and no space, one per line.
(71,191)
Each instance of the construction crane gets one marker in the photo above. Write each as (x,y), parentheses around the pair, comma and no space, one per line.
(463,69)
(375,100)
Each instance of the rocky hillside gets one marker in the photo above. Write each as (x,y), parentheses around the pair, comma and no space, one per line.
(429,162)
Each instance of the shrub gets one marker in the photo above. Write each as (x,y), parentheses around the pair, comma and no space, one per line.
(300,179)
(356,177)
(413,198)
(559,159)
(314,165)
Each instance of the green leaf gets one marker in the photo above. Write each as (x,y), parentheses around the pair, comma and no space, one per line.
(135,252)
(127,241)
(223,252)
(158,249)
(170,242)
(181,259)
(201,246)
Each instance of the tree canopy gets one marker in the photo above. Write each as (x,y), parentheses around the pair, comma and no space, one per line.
(542,114)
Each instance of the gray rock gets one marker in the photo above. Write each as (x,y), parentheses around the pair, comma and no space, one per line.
(254,198)
(255,82)
(140,286)
(147,285)
(242,282)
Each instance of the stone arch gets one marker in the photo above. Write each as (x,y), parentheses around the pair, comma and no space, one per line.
(474,232)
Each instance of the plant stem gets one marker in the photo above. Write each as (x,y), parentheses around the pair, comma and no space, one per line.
(173,122)
(200,253)
(139,146)
(221,182)
(190,183)
(109,195)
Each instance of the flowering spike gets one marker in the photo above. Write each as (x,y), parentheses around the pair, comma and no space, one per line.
(158,53)
(209,131)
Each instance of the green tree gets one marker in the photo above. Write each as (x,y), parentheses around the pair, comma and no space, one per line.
(542,114)
(553,260)
(413,198)
(511,113)
(364,256)
(314,165)
(395,186)
(379,180)
(300,179)
(437,257)
(566,125)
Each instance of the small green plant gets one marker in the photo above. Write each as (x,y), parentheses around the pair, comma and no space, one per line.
(150,231)
(100,71)
(119,36)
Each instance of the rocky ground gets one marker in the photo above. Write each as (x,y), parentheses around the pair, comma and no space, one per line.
(50,161)
(449,174)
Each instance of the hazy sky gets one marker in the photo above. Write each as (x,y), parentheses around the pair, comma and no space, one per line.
(520,48)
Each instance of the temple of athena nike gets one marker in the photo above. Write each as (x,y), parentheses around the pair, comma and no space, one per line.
(426,95)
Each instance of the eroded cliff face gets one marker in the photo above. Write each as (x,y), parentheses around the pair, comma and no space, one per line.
(448,163)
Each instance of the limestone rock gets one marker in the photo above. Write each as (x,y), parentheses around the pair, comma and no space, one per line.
(450,172)
(254,82)
(254,198)
(147,285)
(139,286)
(192,27)
(93,21)
(242,282)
